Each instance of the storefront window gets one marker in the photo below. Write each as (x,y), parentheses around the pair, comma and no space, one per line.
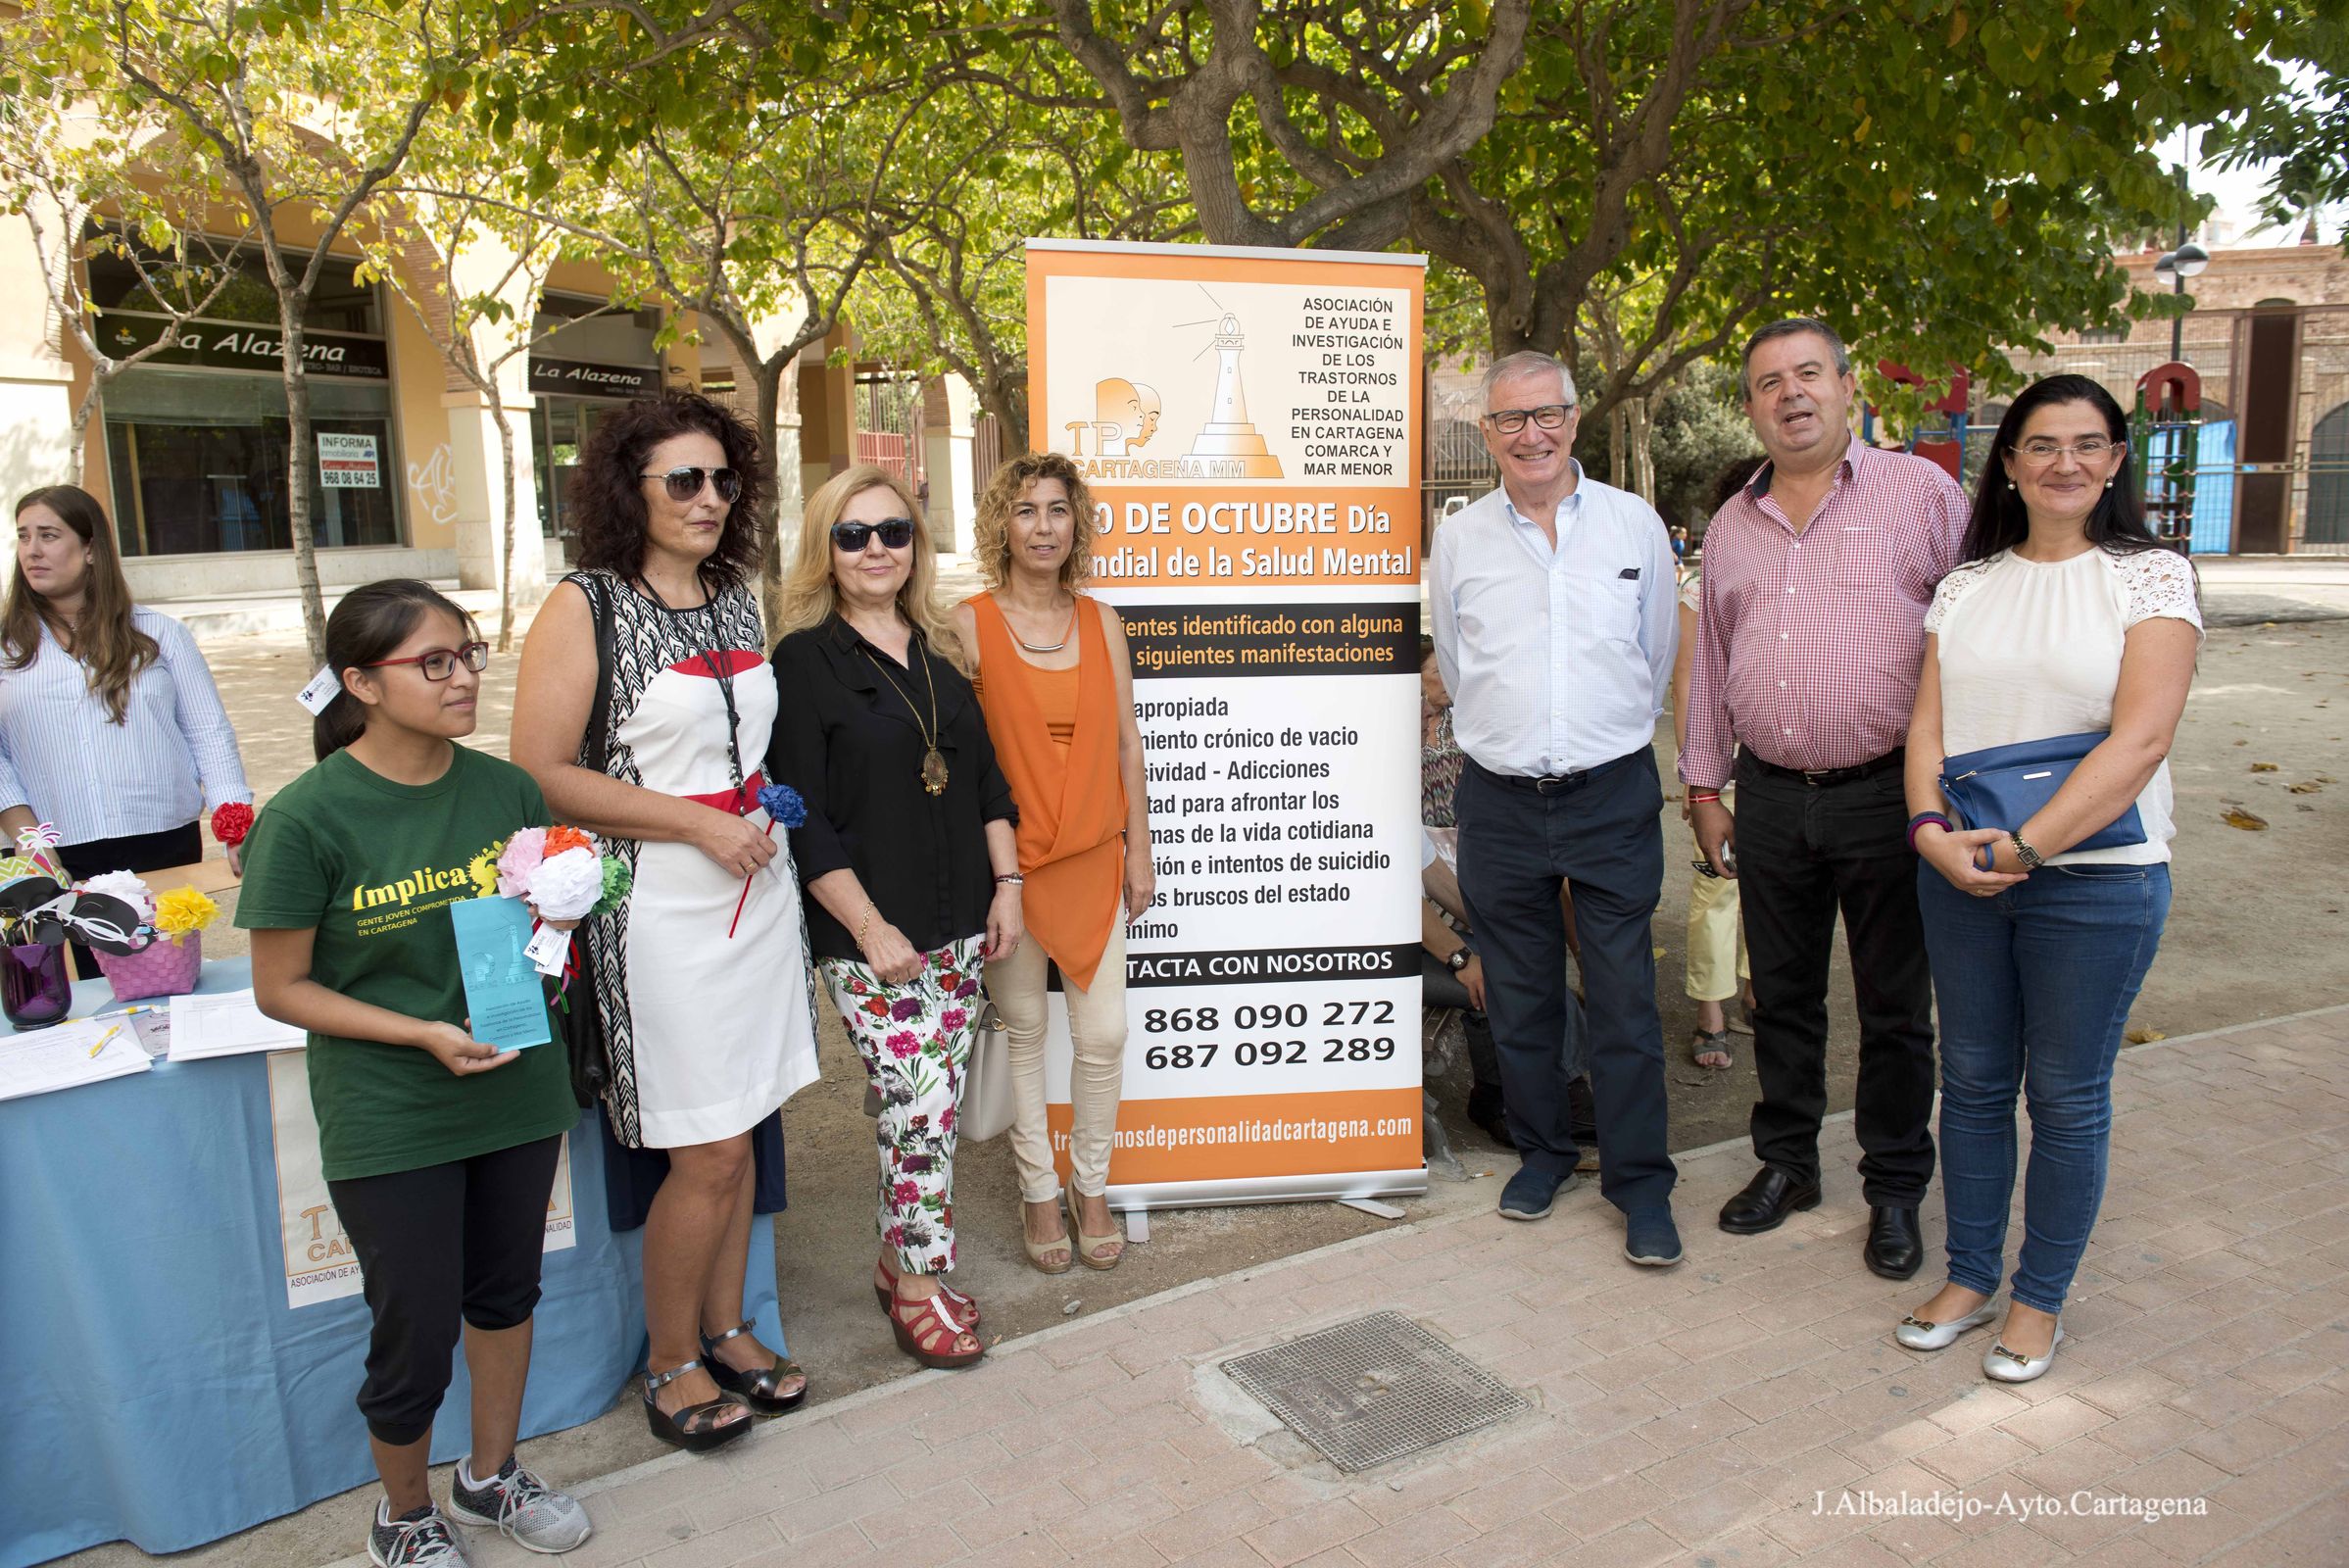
(587,357)
(198,437)
(199,463)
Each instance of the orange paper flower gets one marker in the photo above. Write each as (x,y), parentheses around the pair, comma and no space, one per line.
(560,839)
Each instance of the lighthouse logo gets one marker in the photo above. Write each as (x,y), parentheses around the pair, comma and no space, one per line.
(1115,443)
(1228,435)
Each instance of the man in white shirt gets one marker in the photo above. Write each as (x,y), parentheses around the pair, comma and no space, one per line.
(1553,606)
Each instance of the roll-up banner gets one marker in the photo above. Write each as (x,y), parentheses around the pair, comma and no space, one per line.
(1250,424)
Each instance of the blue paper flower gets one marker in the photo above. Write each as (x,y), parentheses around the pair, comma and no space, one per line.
(783,803)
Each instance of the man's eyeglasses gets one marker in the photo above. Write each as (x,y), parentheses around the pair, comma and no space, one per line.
(1550,417)
(2088,449)
(850,538)
(686,483)
(441,662)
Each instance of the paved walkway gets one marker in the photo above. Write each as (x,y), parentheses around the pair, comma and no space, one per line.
(1739,1411)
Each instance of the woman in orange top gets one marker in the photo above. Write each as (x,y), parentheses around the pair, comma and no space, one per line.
(1058,687)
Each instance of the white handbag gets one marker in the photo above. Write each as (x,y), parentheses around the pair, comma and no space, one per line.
(985,1109)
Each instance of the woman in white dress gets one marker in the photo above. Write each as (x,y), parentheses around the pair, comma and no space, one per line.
(2066,621)
(702,978)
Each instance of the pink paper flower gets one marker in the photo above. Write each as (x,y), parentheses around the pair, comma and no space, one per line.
(519,862)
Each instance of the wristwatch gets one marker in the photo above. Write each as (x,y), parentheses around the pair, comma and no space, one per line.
(1458,959)
(2030,858)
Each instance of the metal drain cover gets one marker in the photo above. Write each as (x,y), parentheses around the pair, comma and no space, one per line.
(1373,1389)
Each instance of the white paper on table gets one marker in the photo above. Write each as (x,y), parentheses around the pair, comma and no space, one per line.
(225,1023)
(47,1060)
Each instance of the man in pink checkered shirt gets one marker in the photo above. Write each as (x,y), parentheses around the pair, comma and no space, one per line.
(1810,631)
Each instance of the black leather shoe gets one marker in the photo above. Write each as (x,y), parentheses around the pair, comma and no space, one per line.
(1895,1248)
(1766,1203)
(1489,1117)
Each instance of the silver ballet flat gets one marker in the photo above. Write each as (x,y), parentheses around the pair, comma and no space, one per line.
(1916,1334)
(2002,1365)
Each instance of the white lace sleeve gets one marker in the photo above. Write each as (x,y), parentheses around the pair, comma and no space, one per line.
(1954,587)
(2160,582)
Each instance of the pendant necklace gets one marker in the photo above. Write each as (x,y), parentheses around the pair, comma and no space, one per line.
(1045,647)
(933,766)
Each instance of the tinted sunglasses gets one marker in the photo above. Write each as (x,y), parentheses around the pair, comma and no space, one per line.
(895,534)
(686,483)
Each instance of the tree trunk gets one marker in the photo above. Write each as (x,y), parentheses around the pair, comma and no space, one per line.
(1639,435)
(290,304)
(497,414)
(1617,456)
(767,382)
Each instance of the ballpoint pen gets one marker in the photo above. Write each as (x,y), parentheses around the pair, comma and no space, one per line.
(104,1038)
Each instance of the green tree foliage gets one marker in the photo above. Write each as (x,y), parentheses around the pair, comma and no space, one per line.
(1938,177)
(297,111)
(2300,135)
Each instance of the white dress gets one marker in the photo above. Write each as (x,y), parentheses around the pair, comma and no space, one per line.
(709,1032)
(2032,649)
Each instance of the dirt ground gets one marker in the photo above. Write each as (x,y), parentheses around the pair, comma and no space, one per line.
(2256,931)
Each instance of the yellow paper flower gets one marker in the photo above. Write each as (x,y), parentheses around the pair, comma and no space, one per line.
(182,910)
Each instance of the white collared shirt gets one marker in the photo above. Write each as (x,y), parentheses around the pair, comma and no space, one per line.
(172,756)
(1556,658)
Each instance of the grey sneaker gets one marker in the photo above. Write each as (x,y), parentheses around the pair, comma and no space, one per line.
(532,1513)
(418,1540)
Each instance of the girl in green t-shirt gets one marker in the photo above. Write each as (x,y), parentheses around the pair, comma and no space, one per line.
(439,1151)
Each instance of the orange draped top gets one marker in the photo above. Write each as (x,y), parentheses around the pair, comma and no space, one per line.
(1056,738)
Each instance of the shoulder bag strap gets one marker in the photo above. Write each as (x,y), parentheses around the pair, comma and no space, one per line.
(596,745)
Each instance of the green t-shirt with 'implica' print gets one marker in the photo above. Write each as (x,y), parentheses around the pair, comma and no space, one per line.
(373,866)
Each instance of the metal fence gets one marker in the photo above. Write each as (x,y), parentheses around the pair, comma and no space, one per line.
(2302,471)
(888,424)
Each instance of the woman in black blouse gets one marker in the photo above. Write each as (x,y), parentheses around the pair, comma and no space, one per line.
(910,851)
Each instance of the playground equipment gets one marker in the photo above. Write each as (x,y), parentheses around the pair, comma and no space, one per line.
(1946,448)
(2163,437)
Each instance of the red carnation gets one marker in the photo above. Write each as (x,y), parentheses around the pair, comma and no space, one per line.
(231,822)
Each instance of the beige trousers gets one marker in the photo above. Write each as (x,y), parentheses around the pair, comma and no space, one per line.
(1716,936)
(1097,1027)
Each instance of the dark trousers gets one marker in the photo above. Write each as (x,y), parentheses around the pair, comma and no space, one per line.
(1440,987)
(1804,852)
(1600,834)
(137,852)
(438,1247)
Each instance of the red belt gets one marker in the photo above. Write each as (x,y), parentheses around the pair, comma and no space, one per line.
(741,802)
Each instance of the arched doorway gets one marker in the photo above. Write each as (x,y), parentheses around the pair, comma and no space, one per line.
(2329,480)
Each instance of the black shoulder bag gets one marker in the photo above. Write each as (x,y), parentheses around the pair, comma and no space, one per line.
(579,1014)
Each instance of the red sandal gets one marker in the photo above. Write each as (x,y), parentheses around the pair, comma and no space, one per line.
(931,1333)
(885,1289)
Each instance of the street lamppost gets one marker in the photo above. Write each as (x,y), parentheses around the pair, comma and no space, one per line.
(2174,268)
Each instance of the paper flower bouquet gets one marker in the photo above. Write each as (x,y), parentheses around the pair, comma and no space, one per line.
(559,870)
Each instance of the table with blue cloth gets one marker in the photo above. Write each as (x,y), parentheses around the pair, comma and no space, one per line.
(157,1387)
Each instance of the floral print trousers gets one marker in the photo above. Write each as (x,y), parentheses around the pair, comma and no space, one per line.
(916,1039)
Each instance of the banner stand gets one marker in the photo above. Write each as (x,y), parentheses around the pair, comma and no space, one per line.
(1249,422)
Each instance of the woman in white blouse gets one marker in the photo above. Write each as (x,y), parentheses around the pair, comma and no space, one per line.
(111,729)
(2066,616)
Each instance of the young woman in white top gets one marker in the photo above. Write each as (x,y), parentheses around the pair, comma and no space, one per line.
(2067,616)
(111,729)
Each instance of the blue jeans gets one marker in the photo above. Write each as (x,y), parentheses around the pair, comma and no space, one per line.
(2035,986)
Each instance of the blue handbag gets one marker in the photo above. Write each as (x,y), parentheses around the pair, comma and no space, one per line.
(2001,786)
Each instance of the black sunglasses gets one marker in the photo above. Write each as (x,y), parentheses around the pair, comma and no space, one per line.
(850,537)
(686,483)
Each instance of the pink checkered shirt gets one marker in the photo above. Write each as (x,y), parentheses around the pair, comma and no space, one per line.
(1808,645)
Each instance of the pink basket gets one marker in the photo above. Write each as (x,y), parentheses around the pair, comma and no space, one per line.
(160,970)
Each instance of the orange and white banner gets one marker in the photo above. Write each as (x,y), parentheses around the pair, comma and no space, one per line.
(320,1264)
(1251,423)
